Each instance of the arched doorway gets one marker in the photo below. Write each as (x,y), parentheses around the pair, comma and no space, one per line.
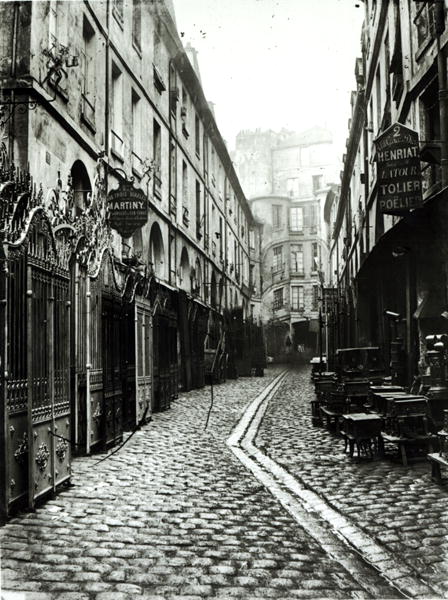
(213,290)
(197,284)
(156,251)
(82,188)
(184,273)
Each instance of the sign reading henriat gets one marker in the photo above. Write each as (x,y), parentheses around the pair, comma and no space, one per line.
(128,208)
(398,170)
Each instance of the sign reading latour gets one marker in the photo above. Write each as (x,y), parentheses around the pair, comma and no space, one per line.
(398,170)
(128,208)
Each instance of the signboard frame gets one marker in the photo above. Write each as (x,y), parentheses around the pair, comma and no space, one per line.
(399,178)
(127,208)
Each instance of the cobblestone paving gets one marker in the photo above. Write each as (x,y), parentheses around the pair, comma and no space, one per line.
(401,507)
(171,515)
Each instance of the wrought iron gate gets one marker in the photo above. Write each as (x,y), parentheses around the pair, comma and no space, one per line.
(144,352)
(37,362)
(165,349)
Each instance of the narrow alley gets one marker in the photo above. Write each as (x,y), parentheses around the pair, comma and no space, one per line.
(173,514)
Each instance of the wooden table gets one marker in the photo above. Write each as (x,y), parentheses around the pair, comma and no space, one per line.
(362,430)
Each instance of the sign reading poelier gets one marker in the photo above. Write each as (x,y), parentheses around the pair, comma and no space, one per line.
(398,170)
(128,208)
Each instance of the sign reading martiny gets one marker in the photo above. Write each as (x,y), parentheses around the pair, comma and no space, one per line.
(398,169)
(128,208)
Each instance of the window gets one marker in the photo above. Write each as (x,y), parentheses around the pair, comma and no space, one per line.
(88,54)
(276,216)
(278,299)
(197,141)
(316,257)
(174,91)
(315,297)
(184,184)
(173,168)
(317,183)
(199,217)
(118,8)
(136,24)
(313,218)
(297,297)
(213,165)
(292,187)
(206,158)
(117,110)
(297,258)
(136,132)
(57,24)
(157,157)
(296,218)
(53,24)
(277,263)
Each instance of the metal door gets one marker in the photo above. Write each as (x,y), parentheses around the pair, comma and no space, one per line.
(78,355)
(112,373)
(143,352)
(127,353)
(37,358)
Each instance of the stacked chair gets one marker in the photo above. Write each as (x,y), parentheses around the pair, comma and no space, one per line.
(358,402)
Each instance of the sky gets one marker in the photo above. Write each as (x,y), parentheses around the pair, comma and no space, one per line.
(271,64)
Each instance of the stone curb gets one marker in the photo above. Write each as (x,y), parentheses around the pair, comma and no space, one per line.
(309,510)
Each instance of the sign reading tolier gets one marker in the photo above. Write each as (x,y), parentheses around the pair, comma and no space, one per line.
(398,169)
(128,208)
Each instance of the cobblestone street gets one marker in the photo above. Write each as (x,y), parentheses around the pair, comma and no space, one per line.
(175,515)
(400,507)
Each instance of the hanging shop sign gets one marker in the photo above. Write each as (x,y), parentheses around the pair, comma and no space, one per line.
(398,170)
(128,208)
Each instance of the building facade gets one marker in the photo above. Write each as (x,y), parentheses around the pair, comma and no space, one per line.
(290,176)
(390,266)
(101,328)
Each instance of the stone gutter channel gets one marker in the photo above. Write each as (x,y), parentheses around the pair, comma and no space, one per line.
(346,543)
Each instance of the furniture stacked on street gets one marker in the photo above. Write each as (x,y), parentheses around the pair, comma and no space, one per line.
(359,402)
(440,459)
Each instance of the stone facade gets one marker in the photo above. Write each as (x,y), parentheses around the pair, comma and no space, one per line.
(287,177)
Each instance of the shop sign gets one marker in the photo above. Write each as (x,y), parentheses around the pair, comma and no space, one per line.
(398,170)
(128,208)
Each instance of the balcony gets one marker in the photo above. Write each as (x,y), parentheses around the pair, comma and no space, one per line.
(296,272)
